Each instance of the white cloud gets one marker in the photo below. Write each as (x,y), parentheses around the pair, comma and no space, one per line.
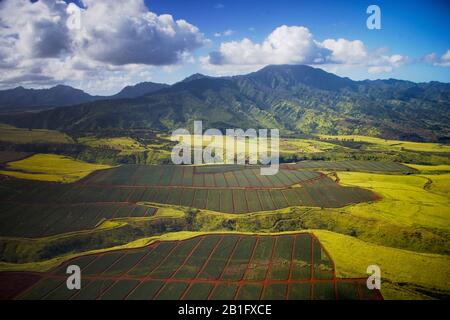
(126,32)
(345,51)
(296,45)
(226,33)
(442,61)
(37,47)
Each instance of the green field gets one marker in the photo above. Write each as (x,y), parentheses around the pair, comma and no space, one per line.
(390,213)
(19,135)
(50,167)
(383,144)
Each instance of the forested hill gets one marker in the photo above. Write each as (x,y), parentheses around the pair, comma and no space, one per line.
(294,98)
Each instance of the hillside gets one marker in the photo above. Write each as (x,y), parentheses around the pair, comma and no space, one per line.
(297,99)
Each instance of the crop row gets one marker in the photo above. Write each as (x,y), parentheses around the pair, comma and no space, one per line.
(351,165)
(39,220)
(187,176)
(218,266)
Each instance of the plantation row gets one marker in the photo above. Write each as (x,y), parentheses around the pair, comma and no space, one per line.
(351,165)
(319,193)
(189,176)
(8,156)
(25,220)
(207,267)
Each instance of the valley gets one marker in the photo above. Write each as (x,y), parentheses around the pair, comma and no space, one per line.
(361,182)
(56,208)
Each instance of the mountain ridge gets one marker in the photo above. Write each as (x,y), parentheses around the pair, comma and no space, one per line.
(20,98)
(297,99)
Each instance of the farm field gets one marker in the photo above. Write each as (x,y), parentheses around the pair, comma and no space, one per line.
(400,201)
(383,144)
(214,266)
(42,220)
(8,156)
(50,167)
(12,134)
(353,165)
(102,194)
(118,143)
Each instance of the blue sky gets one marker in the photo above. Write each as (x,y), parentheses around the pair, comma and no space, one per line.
(119,43)
(412,28)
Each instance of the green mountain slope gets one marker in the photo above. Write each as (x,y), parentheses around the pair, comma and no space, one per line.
(294,98)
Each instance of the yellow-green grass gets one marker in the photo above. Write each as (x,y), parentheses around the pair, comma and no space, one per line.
(427,168)
(50,167)
(405,199)
(392,144)
(304,145)
(253,147)
(352,257)
(19,135)
(118,143)
(440,183)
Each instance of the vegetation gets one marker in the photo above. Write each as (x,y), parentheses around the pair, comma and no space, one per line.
(294,98)
(215,259)
(405,221)
(119,143)
(50,167)
(384,144)
(405,199)
(19,135)
(405,274)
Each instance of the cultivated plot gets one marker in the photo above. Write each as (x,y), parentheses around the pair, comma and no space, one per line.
(215,266)
(351,165)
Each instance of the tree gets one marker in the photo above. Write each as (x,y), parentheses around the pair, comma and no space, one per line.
(191,215)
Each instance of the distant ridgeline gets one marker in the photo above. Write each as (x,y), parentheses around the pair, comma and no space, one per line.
(293,98)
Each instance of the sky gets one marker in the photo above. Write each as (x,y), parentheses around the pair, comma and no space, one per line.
(101,46)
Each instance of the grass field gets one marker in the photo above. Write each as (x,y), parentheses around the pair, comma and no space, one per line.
(405,198)
(254,147)
(402,271)
(352,165)
(118,143)
(50,167)
(205,267)
(19,135)
(428,168)
(382,144)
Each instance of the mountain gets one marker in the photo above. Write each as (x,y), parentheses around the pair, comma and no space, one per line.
(195,76)
(138,90)
(60,95)
(294,98)
(20,99)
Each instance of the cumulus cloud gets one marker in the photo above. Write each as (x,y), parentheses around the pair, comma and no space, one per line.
(441,61)
(112,37)
(296,45)
(126,32)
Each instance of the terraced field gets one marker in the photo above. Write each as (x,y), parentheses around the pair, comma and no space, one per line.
(215,266)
